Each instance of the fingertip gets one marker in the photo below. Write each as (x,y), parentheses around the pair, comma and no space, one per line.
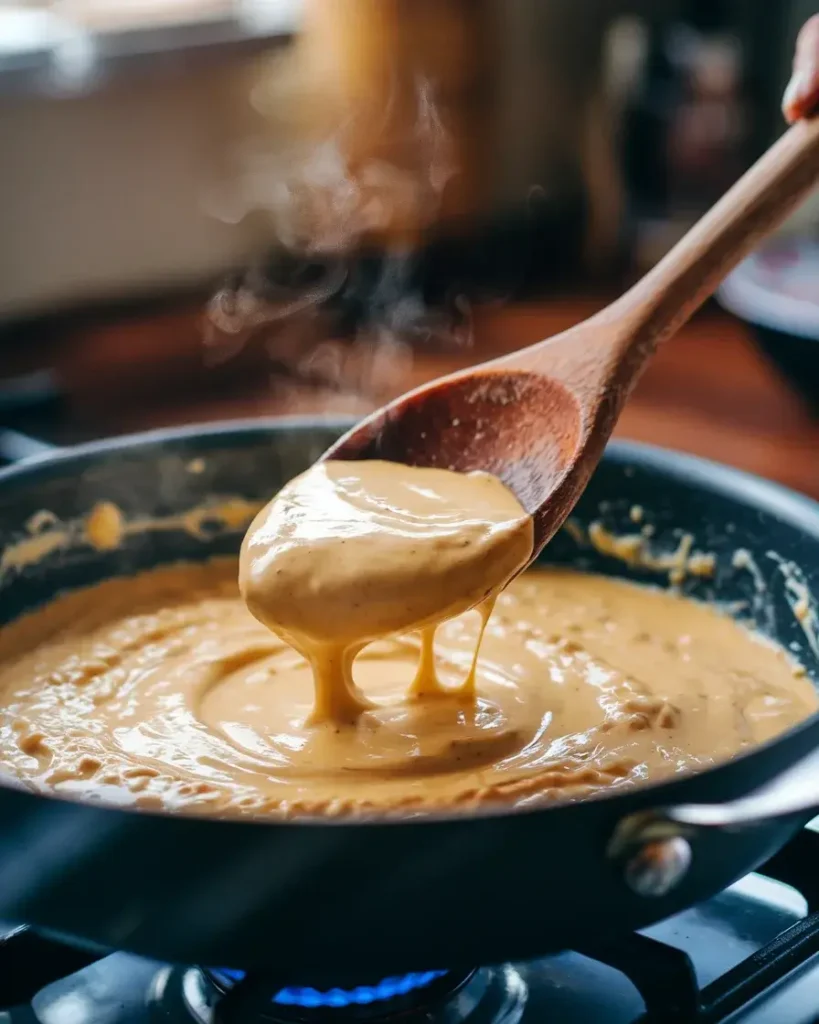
(793,97)
(801,95)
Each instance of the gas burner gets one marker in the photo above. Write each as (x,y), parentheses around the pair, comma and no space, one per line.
(385,999)
(486,996)
(750,954)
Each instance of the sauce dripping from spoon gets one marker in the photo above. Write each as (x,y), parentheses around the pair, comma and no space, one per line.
(352,552)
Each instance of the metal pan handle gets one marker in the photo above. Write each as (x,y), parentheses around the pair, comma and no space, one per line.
(654,846)
(27,401)
(16,447)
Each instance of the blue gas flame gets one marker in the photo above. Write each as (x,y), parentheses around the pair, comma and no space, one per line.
(338,998)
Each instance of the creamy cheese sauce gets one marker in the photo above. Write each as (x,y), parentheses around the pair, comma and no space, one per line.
(163,691)
(351,552)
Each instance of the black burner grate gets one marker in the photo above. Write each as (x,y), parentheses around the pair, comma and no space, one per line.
(665,977)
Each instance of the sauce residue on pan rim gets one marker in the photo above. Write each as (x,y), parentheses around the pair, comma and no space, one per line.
(106,527)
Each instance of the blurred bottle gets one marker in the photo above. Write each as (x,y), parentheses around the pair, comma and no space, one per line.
(382,104)
(433,154)
(687,125)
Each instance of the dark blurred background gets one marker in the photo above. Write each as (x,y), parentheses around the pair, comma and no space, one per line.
(219,208)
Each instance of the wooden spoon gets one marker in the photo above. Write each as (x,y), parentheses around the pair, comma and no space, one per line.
(540,418)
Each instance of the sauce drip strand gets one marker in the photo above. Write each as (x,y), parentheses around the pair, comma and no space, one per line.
(352,552)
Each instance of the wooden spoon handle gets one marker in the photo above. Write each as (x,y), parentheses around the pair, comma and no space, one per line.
(675,288)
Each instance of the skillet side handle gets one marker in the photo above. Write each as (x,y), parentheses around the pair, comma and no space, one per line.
(17,447)
(654,847)
(30,400)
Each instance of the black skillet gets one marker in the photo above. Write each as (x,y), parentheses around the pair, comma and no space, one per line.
(325,902)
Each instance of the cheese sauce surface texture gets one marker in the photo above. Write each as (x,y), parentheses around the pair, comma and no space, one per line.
(164,691)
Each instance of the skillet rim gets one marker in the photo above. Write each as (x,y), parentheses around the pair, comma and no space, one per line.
(797,509)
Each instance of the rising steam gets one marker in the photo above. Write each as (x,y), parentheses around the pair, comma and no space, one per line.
(339,302)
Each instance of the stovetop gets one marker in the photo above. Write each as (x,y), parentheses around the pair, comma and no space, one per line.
(750,954)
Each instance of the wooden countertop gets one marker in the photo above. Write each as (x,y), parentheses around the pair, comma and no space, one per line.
(708,391)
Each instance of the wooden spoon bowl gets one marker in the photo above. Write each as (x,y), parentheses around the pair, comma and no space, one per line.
(490,418)
(540,418)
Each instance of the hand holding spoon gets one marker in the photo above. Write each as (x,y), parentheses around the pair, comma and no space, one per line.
(540,418)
